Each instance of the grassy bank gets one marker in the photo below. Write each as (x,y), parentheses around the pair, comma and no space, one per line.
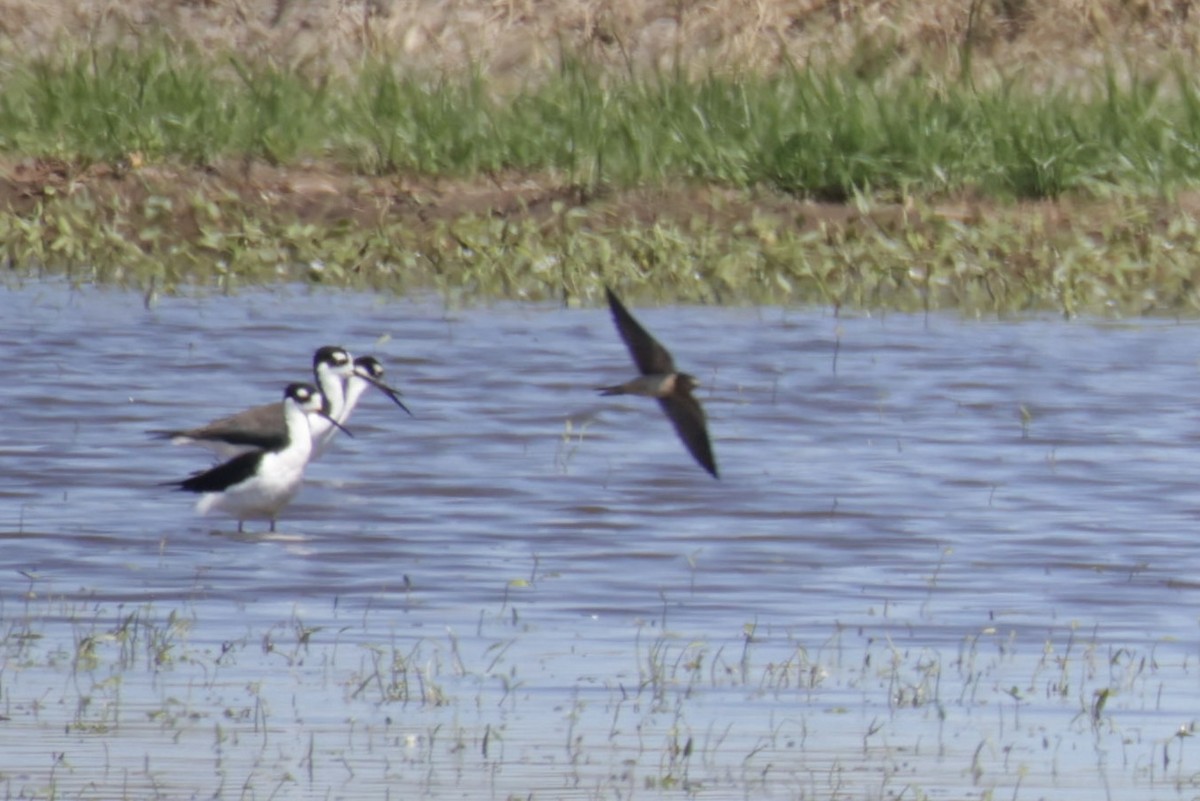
(829,133)
(838,185)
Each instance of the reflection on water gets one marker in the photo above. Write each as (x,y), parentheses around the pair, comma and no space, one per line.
(946,558)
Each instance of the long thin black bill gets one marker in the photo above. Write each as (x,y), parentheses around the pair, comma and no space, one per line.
(336,424)
(394,394)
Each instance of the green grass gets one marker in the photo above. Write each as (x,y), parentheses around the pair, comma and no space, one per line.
(822,132)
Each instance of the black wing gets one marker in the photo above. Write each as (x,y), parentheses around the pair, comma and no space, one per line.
(650,356)
(686,414)
(223,476)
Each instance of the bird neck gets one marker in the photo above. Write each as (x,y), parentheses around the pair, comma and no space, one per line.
(355,387)
(332,389)
(298,432)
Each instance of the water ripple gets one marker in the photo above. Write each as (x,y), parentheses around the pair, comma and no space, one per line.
(930,533)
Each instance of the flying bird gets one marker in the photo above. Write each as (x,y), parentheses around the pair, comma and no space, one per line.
(660,380)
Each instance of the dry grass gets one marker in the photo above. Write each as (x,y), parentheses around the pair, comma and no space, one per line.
(513,40)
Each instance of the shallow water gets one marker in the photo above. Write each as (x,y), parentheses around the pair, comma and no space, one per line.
(946,559)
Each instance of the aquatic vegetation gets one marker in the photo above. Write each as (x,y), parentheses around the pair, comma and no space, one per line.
(1122,258)
(125,690)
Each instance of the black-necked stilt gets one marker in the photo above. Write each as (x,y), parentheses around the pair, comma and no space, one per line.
(659,379)
(263,427)
(367,372)
(257,485)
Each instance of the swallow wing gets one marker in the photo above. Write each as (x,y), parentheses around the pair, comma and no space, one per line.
(686,414)
(648,354)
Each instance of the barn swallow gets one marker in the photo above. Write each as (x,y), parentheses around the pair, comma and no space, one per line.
(659,379)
